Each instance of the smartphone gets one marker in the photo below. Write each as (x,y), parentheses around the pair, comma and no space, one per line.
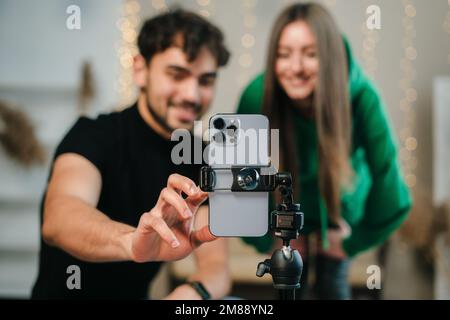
(238,140)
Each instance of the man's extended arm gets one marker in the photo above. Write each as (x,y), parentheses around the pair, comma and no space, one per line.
(72,222)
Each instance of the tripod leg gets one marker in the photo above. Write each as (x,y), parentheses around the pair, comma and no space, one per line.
(288,294)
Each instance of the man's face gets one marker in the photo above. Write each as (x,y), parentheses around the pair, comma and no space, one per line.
(178,91)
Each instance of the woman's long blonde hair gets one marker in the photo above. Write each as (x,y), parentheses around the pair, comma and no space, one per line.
(331,103)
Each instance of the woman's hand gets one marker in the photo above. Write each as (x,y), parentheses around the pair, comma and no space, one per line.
(335,238)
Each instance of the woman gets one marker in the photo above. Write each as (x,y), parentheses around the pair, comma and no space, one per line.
(334,138)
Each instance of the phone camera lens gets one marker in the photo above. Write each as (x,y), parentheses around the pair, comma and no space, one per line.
(219,123)
(232,130)
(248,179)
(219,137)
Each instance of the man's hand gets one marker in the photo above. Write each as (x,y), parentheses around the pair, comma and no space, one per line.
(166,232)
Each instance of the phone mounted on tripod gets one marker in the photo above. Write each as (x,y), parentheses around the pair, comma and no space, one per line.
(286,221)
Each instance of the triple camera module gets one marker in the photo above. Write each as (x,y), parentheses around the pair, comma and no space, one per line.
(226,131)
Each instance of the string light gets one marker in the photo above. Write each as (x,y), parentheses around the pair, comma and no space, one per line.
(205,8)
(159,5)
(126,49)
(409,143)
(446,26)
(248,41)
(330,3)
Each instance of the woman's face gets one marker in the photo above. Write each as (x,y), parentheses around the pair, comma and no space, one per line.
(297,62)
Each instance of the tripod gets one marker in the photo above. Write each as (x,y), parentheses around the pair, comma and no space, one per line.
(286,221)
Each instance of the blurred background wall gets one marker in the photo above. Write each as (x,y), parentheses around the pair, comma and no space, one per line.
(41,64)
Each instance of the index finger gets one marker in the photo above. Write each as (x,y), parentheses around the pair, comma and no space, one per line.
(181,183)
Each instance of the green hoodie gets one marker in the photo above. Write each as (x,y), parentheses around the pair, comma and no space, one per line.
(379,200)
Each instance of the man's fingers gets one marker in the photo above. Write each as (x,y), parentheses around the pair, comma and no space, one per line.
(181,183)
(171,197)
(157,224)
(200,236)
(197,199)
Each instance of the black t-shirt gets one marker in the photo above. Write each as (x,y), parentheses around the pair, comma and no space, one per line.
(135,163)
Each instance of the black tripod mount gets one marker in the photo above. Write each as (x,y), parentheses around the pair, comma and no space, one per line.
(286,221)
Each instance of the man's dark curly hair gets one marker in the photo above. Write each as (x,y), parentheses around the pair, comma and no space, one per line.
(162,32)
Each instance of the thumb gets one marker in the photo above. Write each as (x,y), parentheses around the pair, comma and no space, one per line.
(200,236)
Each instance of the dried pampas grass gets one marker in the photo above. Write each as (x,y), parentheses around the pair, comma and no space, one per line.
(86,91)
(18,138)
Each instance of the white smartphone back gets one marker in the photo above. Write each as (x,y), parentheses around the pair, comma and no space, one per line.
(239,214)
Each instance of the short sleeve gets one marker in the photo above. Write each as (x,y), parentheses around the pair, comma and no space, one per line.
(90,139)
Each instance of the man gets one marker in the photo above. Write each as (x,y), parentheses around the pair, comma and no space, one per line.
(116,205)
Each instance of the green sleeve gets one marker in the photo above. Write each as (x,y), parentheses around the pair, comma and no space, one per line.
(388,201)
(252,98)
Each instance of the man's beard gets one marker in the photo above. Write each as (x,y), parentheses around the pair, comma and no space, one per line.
(162,120)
